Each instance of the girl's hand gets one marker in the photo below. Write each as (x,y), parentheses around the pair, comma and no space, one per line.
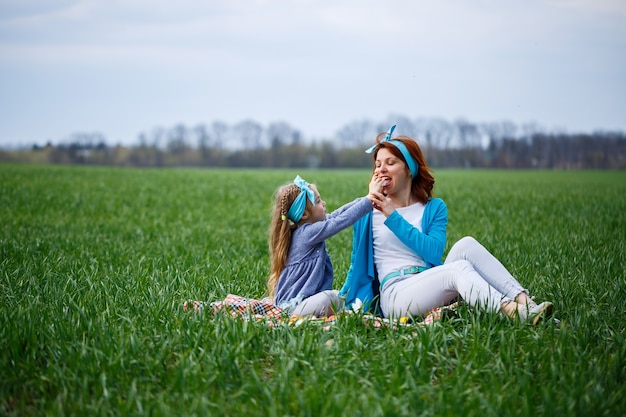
(376,184)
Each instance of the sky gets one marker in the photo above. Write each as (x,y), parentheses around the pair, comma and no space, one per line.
(123,67)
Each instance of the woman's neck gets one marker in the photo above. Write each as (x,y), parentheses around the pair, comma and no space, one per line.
(402,199)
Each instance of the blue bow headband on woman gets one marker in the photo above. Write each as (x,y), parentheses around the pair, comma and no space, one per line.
(402,148)
(299,204)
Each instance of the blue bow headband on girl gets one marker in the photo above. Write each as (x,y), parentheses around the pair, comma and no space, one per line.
(402,148)
(299,204)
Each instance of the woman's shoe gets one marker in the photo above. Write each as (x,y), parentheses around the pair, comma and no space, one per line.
(535,313)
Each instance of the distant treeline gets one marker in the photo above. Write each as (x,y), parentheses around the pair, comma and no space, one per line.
(249,145)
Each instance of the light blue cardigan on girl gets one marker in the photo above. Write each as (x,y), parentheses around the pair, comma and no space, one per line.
(429,244)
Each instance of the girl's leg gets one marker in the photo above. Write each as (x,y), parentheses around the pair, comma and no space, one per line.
(322,304)
(490,268)
(415,295)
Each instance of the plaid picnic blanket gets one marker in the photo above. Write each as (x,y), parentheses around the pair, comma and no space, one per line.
(238,306)
(253,309)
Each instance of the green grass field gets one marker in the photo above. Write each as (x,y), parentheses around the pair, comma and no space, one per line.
(96,262)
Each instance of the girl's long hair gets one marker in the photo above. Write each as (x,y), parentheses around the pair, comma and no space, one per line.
(280,232)
(423,183)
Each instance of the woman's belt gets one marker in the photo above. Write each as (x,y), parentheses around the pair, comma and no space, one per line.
(408,271)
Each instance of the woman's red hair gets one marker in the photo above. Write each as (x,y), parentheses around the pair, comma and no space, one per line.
(423,183)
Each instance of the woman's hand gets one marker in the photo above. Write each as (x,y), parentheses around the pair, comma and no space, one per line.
(382,203)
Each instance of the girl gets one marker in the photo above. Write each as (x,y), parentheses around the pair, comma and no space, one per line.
(301,272)
(399,247)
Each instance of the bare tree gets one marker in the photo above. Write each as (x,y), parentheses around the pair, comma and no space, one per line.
(281,133)
(177,139)
(158,137)
(204,143)
(439,133)
(219,131)
(469,142)
(249,133)
(357,133)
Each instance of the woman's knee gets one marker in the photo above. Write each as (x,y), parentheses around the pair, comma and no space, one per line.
(467,242)
(461,248)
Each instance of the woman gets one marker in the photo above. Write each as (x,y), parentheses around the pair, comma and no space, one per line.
(397,249)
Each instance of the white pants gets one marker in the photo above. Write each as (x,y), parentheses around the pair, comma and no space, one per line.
(469,271)
(322,304)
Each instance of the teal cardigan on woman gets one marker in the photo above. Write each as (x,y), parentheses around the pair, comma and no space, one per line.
(429,244)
